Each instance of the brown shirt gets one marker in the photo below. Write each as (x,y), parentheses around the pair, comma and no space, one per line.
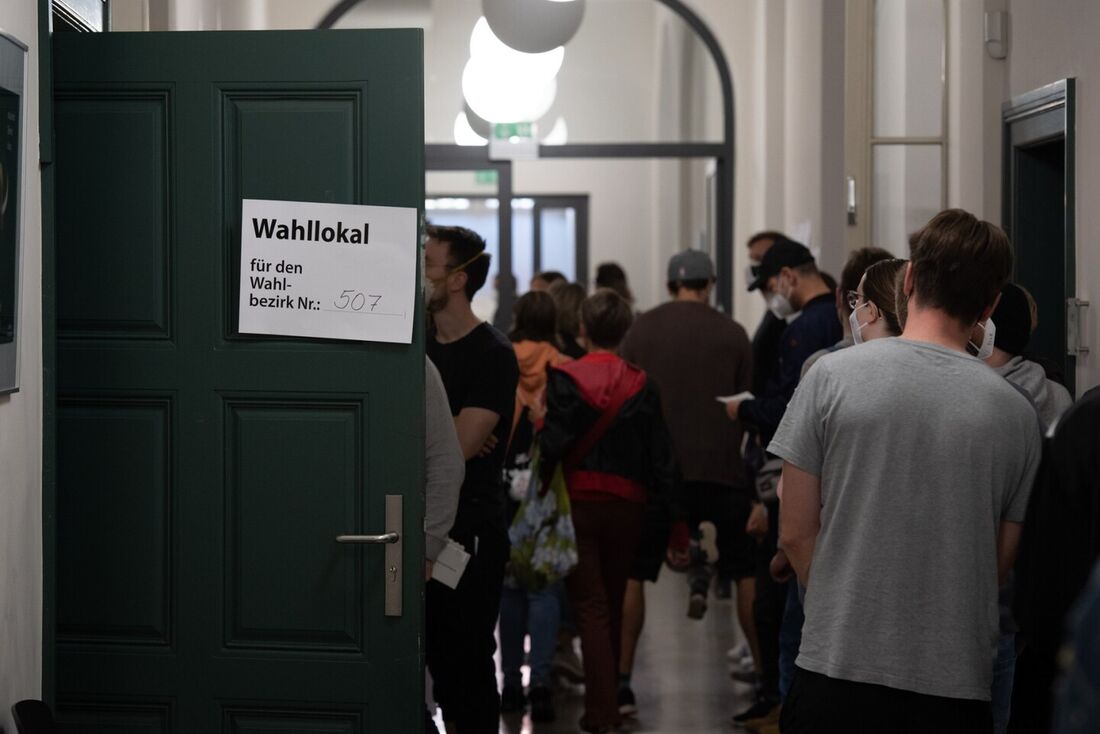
(695,353)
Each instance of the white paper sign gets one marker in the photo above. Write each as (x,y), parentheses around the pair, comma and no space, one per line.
(451,564)
(333,271)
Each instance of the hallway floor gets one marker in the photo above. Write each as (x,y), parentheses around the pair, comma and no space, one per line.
(681,678)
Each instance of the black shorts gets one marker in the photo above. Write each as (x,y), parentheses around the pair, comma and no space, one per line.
(728,508)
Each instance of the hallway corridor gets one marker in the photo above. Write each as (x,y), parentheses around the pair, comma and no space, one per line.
(681,678)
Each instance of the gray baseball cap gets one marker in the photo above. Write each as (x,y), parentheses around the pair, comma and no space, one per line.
(690,265)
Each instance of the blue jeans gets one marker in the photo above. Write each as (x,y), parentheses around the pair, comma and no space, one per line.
(534,613)
(1004,671)
(790,636)
(1077,710)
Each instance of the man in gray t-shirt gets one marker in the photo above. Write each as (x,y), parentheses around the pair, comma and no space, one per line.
(908,468)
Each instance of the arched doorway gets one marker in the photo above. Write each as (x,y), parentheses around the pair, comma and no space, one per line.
(456,157)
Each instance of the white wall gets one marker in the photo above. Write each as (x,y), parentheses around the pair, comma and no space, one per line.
(749,41)
(1048,41)
(1052,41)
(21,424)
(788,86)
(975,90)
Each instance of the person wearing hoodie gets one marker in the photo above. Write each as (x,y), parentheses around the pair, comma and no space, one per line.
(1013,331)
(1011,327)
(523,612)
(605,426)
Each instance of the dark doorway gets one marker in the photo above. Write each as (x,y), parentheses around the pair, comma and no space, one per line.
(1039,215)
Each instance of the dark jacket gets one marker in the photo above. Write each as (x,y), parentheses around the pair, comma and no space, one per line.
(817,328)
(765,350)
(1059,546)
(634,453)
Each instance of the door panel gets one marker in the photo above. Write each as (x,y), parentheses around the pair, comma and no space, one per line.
(259,721)
(204,475)
(117,590)
(314,134)
(120,292)
(275,518)
(99,718)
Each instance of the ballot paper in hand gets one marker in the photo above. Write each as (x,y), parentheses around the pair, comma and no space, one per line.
(727,399)
(450,565)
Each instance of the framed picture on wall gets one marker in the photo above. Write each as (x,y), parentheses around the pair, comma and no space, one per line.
(13,79)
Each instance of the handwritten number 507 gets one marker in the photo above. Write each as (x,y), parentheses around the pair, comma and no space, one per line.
(355,300)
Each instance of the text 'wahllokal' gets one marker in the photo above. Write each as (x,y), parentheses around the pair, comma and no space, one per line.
(311,231)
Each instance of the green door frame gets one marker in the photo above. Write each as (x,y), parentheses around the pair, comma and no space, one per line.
(1043,115)
(49,352)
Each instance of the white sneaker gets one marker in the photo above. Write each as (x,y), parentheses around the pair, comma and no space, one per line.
(708,541)
(738,651)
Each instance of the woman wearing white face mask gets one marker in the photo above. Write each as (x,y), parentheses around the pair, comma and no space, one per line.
(874,313)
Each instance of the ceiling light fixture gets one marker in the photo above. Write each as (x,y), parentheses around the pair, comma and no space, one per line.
(534,26)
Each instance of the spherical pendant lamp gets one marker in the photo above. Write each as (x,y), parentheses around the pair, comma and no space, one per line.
(534,26)
(537,68)
(477,123)
(500,94)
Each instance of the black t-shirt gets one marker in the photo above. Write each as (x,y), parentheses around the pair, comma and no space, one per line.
(480,371)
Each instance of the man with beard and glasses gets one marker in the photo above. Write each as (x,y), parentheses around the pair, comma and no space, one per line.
(479,370)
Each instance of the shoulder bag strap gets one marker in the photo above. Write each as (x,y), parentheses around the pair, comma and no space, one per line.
(588,441)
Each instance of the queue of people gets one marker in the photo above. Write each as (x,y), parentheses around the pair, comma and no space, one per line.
(883,435)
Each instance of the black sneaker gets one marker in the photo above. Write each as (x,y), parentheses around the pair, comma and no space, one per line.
(627,705)
(512,700)
(542,704)
(759,708)
(605,729)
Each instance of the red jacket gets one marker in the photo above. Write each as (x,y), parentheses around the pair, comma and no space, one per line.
(633,460)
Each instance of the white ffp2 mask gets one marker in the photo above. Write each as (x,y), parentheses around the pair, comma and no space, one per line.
(989,335)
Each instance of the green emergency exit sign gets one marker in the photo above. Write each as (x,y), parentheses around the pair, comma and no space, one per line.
(509,130)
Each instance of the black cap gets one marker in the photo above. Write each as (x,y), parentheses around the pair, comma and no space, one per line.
(1013,319)
(784,253)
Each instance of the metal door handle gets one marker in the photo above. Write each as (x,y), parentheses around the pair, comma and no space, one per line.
(383,539)
(1075,317)
(392,563)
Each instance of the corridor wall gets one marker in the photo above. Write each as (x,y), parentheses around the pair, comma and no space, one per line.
(21,422)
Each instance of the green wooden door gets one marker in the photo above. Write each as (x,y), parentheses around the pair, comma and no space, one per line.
(203,475)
